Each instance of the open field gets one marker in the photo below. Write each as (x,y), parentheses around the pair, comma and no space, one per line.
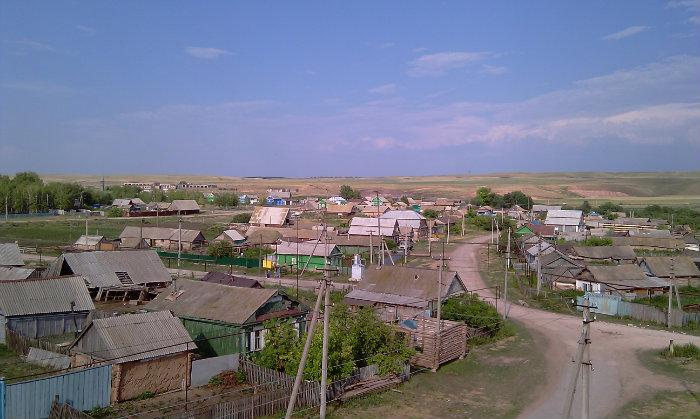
(640,188)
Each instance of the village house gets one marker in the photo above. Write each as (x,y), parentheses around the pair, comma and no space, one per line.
(128,204)
(227,319)
(541,230)
(165,237)
(399,292)
(485,211)
(565,221)
(93,243)
(351,245)
(682,268)
(626,280)
(373,210)
(42,307)
(612,254)
(119,274)
(539,249)
(184,206)
(337,200)
(149,352)
(559,270)
(230,280)
(623,224)
(232,236)
(10,255)
(409,219)
(362,226)
(646,232)
(269,216)
(341,210)
(310,255)
(541,210)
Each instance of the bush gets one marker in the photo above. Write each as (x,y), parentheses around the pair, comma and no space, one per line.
(227,378)
(347,192)
(689,350)
(241,218)
(115,212)
(221,249)
(474,312)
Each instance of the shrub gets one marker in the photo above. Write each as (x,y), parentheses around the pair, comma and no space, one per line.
(689,350)
(221,249)
(241,218)
(472,311)
(115,212)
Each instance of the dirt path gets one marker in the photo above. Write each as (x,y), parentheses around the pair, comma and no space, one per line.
(618,377)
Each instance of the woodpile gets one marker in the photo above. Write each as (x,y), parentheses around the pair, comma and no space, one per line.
(433,350)
(369,386)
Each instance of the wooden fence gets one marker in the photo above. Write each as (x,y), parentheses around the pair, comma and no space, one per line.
(21,344)
(65,411)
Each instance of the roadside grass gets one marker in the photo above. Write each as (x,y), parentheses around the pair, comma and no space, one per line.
(13,366)
(688,295)
(684,366)
(496,380)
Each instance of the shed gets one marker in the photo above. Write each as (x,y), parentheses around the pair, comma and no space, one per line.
(44,307)
(14,273)
(10,255)
(269,216)
(165,237)
(231,236)
(227,319)
(342,210)
(231,280)
(93,243)
(422,333)
(149,352)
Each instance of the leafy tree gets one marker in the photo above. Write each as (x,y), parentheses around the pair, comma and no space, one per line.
(221,249)
(517,198)
(280,342)
(255,252)
(471,310)
(242,218)
(585,207)
(404,199)
(226,200)
(347,192)
(609,207)
(430,213)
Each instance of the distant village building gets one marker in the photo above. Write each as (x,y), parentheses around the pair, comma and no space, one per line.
(309,255)
(10,255)
(626,279)
(269,216)
(184,206)
(362,226)
(93,243)
(565,221)
(409,219)
(614,254)
(164,237)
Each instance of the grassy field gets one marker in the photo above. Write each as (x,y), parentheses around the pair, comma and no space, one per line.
(642,188)
(12,366)
(668,404)
(495,380)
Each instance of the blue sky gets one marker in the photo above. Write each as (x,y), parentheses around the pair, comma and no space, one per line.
(349,88)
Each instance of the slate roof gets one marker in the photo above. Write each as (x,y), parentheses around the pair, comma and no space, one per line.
(661,266)
(10,255)
(184,205)
(340,208)
(269,216)
(311,248)
(406,218)
(88,240)
(545,208)
(134,337)
(659,243)
(204,300)
(363,226)
(624,276)
(416,283)
(645,232)
(15,273)
(232,235)
(605,252)
(45,295)
(99,268)
(230,280)
(162,233)
(564,217)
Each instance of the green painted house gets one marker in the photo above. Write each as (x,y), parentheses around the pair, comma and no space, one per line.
(224,319)
(291,254)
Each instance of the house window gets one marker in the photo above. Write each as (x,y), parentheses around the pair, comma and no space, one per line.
(257,340)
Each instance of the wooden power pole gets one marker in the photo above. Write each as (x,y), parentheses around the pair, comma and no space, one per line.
(583,365)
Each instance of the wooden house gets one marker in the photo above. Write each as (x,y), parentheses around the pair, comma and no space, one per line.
(310,255)
(626,279)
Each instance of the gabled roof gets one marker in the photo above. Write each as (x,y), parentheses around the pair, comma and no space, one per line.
(262,235)
(661,266)
(564,217)
(420,284)
(88,240)
(100,268)
(45,295)
(312,248)
(184,205)
(645,232)
(163,233)
(623,276)
(230,280)
(364,226)
(541,248)
(10,255)
(134,337)
(204,300)
(545,208)
(340,208)
(345,240)
(269,216)
(605,252)
(406,218)
(15,273)
(232,235)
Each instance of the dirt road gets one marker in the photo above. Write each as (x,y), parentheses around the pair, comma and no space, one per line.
(618,376)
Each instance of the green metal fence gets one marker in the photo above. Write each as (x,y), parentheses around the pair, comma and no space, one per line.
(193,257)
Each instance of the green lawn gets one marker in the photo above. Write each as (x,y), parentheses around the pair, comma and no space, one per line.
(495,380)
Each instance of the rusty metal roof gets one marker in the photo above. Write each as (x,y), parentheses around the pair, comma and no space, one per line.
(45,295)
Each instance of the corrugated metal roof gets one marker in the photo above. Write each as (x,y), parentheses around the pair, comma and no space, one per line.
(13,273)
(133,337)
(377,297)
(209,301)
(46,295)
(99,268)
(184,205)
(232,235)
(363,226)
(269,216)
(661,266)
(418,283)
(162,233)
(340,208)
(88,240)
(312,248)
(659,243)
(544,208)
(10,255)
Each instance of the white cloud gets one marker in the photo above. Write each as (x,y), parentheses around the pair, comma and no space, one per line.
(493,69)
(625,33)
(384,89)
(86,30)
(439,63)
(419,49)
(25,46)
(207,53)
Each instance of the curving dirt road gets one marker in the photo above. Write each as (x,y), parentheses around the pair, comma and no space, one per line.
(618,376)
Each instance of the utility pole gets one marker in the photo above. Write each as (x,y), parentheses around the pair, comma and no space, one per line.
(380,261)
(297,259)
(371,249)
(326,319)
(6,196)
(462,224)
(439,307)
(448,228)
(582,361)
(86,225)
(539,266)
(505,286)
(179,244)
